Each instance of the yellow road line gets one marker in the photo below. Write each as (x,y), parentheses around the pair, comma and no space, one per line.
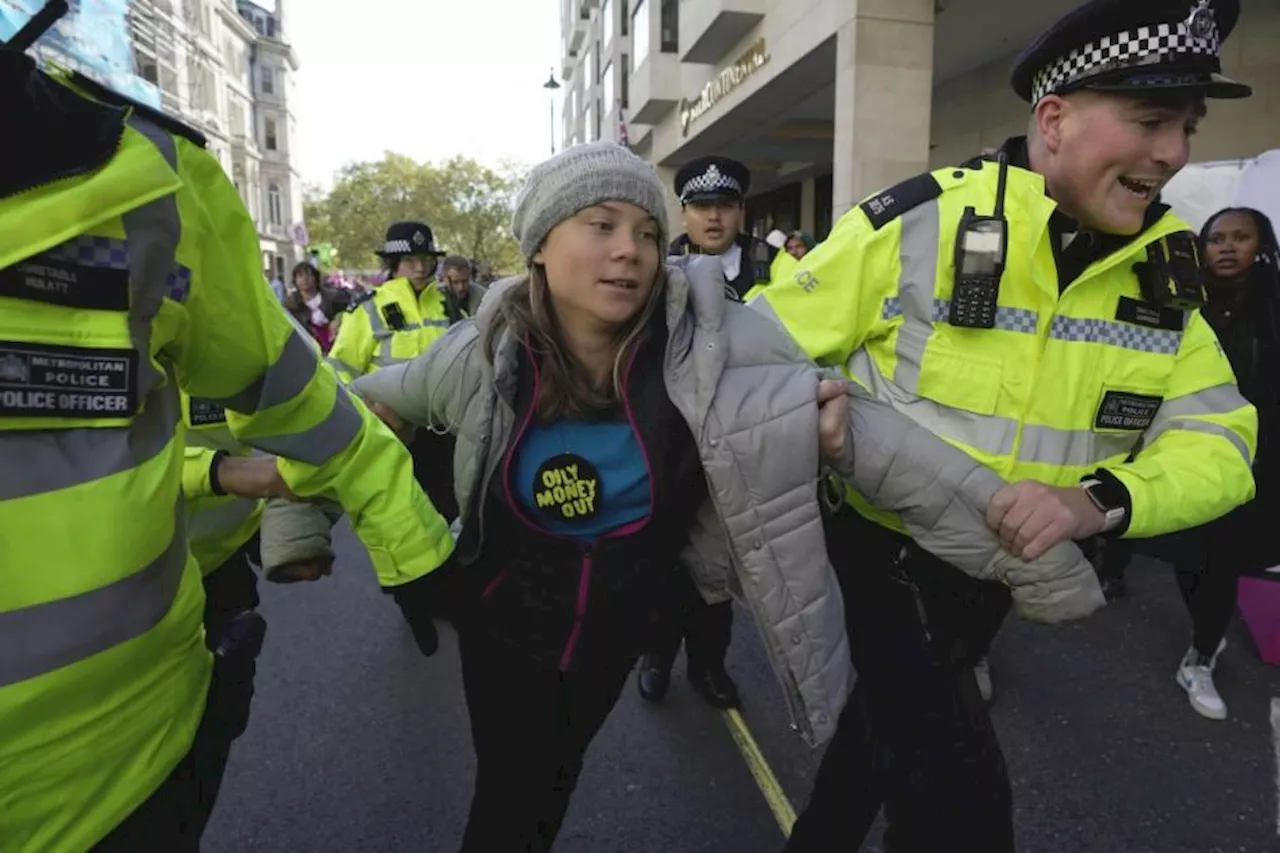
(781,807)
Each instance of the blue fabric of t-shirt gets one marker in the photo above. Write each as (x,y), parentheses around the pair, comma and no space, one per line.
(583,479)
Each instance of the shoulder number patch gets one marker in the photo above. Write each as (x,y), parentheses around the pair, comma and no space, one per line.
(887,206)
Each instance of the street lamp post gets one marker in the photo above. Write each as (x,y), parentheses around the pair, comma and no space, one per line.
(551,85)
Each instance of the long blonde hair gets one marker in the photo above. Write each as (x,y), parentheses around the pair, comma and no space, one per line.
(565,391)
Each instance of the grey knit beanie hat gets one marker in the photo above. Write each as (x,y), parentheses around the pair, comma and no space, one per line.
(577,178)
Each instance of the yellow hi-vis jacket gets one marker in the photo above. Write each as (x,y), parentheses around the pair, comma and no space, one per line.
(1065,385)
(217,525)
(397,324)
(121,281)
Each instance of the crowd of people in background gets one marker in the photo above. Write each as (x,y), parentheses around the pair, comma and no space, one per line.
(317,299)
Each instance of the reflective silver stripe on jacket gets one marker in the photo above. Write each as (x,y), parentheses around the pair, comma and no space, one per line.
(1078,447)
(322,442)
(282,381)
(1007,319)
(223,519)
(1219,400)
(48,636)
(45,637)
(385,336)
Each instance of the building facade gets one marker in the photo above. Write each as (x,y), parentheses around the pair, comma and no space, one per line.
(225,67)
(829,101)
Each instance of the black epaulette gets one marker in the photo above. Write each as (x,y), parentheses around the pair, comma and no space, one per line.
(359,300)
(887,206)
(161,119)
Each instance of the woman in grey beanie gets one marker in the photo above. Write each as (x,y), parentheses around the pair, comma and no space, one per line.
(624,432)
(582,398)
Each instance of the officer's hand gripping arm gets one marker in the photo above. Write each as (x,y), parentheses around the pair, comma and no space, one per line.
(245,354)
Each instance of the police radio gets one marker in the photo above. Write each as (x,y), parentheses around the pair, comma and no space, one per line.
(981,246)
(1171,275)
(394,315)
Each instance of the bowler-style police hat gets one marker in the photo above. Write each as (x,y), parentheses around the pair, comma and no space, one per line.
(1132,46)
(409,238)
(712,178)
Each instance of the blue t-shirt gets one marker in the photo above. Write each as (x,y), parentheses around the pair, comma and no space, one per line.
(583,479)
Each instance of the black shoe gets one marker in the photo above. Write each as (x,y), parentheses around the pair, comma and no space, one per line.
(716,687)
(1114,587)
(653,678)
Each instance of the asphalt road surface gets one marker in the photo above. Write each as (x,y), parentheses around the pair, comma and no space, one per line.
(358,743)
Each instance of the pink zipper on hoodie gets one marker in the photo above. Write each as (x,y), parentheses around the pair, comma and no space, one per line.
(585,568)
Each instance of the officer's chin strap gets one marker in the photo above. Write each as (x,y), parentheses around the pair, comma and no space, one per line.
(36,27)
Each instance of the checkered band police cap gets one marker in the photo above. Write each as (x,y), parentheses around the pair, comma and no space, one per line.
(712,177)
(1132,45)
(711,181)
(409,238)
(1131,49)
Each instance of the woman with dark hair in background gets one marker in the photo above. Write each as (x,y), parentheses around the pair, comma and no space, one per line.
(1239,251)
(314,304)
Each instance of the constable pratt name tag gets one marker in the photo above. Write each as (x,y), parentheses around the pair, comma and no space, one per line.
(1122,410)
(59,282)
(48,381)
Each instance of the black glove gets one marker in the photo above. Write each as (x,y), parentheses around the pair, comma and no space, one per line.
(414,599)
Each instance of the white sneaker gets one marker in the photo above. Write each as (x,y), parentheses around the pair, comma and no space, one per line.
(982,673)
(1195,674)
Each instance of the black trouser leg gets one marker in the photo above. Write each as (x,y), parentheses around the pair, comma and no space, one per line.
(1207,571)
(916,735)
(708,630)
(530,728)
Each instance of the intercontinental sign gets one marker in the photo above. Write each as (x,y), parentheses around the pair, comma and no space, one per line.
(751,61)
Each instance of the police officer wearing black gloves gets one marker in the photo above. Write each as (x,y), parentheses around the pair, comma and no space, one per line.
(712,192)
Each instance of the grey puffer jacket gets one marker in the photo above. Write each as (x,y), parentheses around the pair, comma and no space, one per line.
(748,395)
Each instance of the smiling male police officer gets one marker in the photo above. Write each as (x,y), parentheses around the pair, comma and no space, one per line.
(1036,309)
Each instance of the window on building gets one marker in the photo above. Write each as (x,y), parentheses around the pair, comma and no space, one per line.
(607,88)
(235,113)
(599,120)
(607,23)
(148,70)
(274,211)
(670,25)
(626,79)
(640,34)
(269,133)
(626,19)
(268,81)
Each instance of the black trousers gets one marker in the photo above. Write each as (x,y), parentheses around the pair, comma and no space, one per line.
(530,727)
(705,629)
(174,817)
(1207,565)
(915,736)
